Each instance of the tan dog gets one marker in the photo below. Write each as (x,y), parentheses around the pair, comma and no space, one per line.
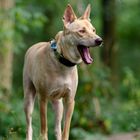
(50,72)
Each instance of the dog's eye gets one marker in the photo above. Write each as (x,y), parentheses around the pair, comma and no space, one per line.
(82,31)
(94,30)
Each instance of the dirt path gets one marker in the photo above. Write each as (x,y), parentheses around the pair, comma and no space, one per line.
(126,136)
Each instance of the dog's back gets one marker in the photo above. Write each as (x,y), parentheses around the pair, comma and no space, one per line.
(32,63)
(33,56)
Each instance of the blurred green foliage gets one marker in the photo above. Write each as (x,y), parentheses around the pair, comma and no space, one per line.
(100,108)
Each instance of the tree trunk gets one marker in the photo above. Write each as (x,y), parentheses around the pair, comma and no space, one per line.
(6,43)
(109,51)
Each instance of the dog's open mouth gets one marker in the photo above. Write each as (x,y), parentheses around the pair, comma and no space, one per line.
(85,54)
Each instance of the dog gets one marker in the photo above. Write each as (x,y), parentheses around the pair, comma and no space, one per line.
(50,72)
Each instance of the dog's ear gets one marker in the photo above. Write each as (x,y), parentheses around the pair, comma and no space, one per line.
(69,15)
(86,14)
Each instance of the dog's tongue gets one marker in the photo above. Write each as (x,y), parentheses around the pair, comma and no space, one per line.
(85,54)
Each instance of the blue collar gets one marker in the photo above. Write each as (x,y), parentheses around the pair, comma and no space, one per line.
(60,57)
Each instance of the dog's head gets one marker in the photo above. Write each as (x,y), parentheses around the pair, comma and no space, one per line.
(80,32)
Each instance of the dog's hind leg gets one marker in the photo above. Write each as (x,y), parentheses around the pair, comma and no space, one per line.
(58,109)
(43,118)
(29,98)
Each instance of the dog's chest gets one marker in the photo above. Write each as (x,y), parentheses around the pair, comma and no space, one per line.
(60,88)
(61,91)
(56,86)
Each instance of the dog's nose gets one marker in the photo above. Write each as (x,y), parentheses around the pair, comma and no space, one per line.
(98,41)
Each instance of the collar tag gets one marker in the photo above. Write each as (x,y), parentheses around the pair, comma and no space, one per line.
(53,45)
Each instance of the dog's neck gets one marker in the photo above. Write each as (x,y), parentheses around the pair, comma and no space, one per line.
(67,48)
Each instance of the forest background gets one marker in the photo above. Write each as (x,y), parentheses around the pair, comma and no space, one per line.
(108,96)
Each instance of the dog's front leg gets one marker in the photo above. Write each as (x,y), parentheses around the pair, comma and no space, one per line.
(68,108)
(58,109)
(43,118)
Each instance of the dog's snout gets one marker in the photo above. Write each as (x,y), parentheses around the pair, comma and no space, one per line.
(98,41)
